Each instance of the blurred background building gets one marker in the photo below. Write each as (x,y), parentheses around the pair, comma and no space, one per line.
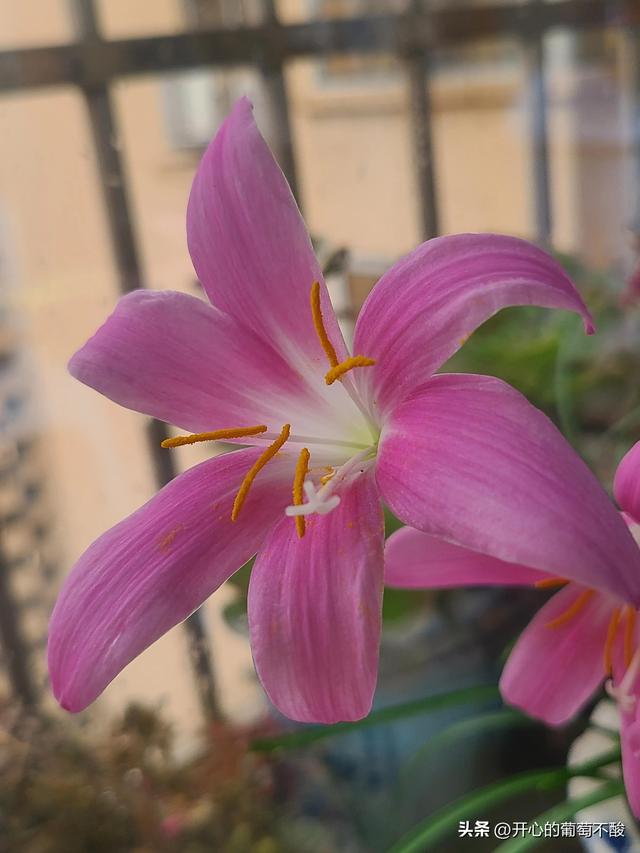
(76,464)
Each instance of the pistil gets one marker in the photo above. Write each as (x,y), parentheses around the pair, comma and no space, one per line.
(623,694)
(323,500)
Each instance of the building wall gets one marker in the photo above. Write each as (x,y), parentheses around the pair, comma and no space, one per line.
(63,285)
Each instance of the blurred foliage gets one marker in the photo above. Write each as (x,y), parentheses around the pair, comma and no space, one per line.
(586,384)
(125,790)
(429,704)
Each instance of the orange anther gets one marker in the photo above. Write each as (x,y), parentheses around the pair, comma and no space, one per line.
(571,611)
(298,481)
(257,466)
(318,322)
(216,435)
(339,370)
(611,636)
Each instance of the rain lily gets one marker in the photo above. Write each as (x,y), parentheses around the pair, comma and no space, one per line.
(579,639)
(330,434)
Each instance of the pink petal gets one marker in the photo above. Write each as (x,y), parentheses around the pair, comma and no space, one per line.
(629,722)
(553,671)
(153,569)
(425,307)
(417,560)
(249,244)
(626,485)
(315,610)
(176,358)
(630,742)
(468,459)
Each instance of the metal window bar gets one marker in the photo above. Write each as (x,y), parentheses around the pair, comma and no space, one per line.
(84,63)
(12,642)
(273,78)
(93,64)
(418,65)
(104,131)
(533,51)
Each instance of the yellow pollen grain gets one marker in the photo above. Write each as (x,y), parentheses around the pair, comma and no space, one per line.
(298,481)
(339,370)
(629,629)
(255,469)
(318,322)
(550,583)
(571,611)
(611,635)
(216,435)
(326,477)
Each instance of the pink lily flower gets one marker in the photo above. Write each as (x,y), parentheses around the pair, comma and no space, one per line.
(582,637)
(330,434)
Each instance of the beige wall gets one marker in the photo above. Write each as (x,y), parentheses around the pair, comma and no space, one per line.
(64,284)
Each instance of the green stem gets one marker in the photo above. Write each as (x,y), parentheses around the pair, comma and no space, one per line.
(425,834)
(310,734)
(452,734)
(561,812)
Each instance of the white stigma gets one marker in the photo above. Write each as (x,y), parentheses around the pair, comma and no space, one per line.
(623,695)
(317,501)
(323,500)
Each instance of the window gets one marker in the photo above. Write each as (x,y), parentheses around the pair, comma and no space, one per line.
(343,67)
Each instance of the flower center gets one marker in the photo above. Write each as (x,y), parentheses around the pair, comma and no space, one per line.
(323,499)
(624,614)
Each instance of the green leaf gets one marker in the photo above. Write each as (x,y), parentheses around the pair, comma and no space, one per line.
(562,384)
(561,812)
(423,836)
(492,721)
(310,734)
(401,604)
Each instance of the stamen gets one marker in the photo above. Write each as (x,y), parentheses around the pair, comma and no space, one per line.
(302,469)
(339,370)
(216,435)
(572,611)
(629,628)
(327,346)
(622,694)
(611,635)
(550,583)
(316,313)
(257,466)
